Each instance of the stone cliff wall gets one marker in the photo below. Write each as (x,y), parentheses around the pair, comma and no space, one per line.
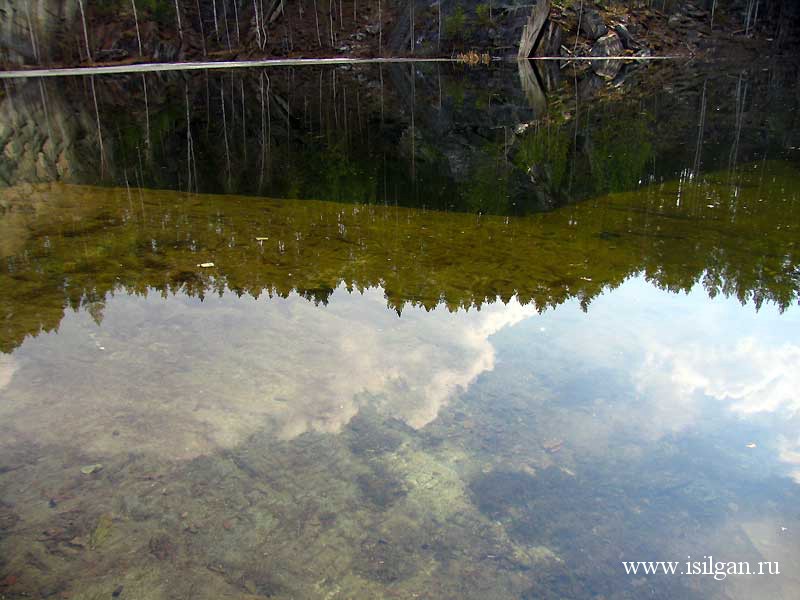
(31,31)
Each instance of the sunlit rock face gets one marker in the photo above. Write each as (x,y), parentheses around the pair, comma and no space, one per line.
(28,29)
(182,377)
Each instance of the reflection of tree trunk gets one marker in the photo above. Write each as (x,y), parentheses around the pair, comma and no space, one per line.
(43,95)
(146,113)
(700,130)
(189,143)
(532,86)
(532,32)
(244,123)
(99,130)
(225,130)
(741,96)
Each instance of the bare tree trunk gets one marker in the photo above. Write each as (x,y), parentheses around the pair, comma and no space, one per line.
(227,29)
(578,33)
(34,45)
(316,18)
(258,26)
(331,9)
(202,28)
(236,16)
(380,29)
(85,31)
(755,18)
(439,39)
(178,13)
(411,4)
(216,20)
(136,21)
(264,30)
(713,8)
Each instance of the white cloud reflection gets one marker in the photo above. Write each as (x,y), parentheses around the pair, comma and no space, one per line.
(183,377)
(748,375)
(686,358)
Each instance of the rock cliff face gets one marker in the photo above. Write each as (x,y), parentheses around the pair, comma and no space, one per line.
(68,32)
(47,32)
(31,31)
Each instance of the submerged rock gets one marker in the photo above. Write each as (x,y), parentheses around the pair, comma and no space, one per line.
(102,530)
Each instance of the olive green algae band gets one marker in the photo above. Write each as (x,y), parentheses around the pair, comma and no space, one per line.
(425,258)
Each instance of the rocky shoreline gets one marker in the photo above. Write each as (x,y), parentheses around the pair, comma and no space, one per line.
(187,31)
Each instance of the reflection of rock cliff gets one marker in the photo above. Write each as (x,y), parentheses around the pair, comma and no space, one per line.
(46,137)
(500,140)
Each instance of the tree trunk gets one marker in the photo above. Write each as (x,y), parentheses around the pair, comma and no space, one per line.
(136,21)
(85,31)
(532,32)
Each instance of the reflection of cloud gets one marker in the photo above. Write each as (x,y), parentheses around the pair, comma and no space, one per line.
(7,367)
(789,452)
(182,377)
(749,376)
(678,362)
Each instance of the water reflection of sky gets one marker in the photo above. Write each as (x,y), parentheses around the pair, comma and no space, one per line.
(207,373)
(654,396)
(658,363)
(184,376)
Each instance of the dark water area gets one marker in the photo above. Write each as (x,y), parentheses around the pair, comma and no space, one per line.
(400,331)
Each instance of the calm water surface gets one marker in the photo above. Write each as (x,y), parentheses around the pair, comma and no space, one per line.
(460,333)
